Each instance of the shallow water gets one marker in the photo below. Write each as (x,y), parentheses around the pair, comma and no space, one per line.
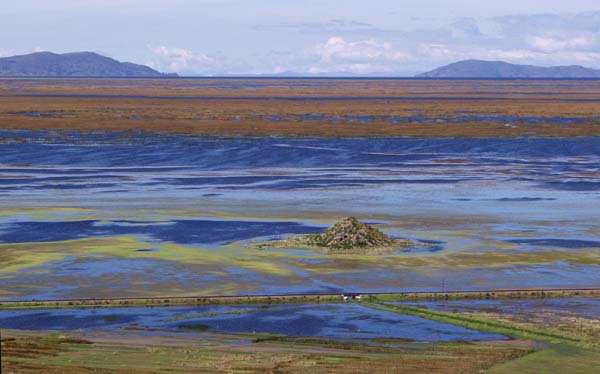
(211,196)
(340,321)
(176,231)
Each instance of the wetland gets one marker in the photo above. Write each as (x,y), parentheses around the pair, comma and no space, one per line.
(102,214)
(142,188)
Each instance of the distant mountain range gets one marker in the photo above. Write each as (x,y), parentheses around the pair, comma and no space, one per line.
(500,69)
(79,64)
(90,64)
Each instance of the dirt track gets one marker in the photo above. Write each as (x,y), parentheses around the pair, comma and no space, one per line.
(297,298)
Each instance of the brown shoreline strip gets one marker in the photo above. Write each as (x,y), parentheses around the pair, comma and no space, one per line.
(298,298)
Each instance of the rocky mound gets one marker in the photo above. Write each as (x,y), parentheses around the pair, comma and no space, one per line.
(351,233)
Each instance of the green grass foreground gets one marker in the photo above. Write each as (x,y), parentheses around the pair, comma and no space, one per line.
(34,354)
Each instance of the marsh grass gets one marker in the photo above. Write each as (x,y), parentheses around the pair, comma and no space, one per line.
(270,354)
(483,323)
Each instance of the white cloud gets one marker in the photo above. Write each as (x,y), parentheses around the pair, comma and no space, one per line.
(180,60)
(437,51)
(357,47)
(188,62)
(338,55)
(337,49)
(537,39)
(363,68)
(549,44)
(511,55)
(7,52)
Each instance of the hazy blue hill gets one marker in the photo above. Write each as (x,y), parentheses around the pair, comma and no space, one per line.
(500,69)
(78,64)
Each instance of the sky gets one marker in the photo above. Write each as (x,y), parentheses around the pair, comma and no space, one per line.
(348,37)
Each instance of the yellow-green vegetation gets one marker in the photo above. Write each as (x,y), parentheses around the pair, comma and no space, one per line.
(35,353)
(552,360)
(43,210)
(456,259)
(20,256)
(570,324)
(15,257)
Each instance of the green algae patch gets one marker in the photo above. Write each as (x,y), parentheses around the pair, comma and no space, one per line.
(46,213)
(19,256)
(12,264)
(262,266)
(15,257)
(495,258)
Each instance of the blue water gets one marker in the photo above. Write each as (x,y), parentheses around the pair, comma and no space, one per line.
(177,231)
(128,149)
(111,160)
(311,98)
(470,195)
(341,321)
(312,117)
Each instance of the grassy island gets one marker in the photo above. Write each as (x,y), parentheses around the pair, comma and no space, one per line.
(348,236)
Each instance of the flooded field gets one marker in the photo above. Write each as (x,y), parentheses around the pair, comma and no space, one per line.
(336,321)
(576,316)
(107,214)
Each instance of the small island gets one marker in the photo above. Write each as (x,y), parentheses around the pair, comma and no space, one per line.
(348,236)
